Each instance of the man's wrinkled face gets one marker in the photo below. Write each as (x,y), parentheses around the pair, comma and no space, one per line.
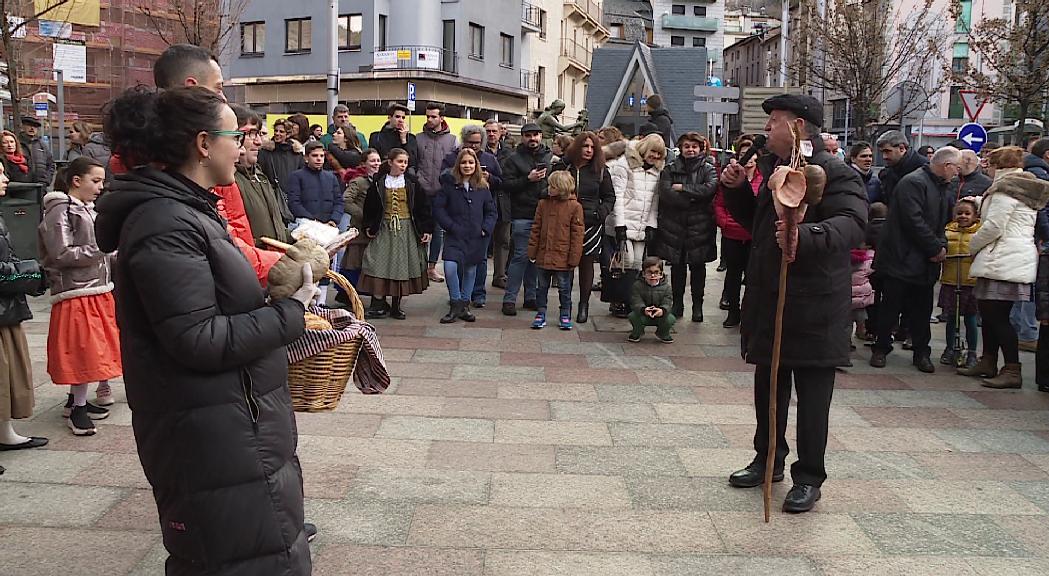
(892,154)
(780,137)
(494,134)
(30,130)
(342,119)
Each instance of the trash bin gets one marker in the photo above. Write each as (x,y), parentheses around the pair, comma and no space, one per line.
(22,218)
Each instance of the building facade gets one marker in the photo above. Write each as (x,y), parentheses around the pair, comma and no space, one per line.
(745,21)
(629,21)
(465,54)
(561,54)
(692,24)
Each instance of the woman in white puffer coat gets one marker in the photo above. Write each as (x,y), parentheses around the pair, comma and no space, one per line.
(635,177)
(1005,261)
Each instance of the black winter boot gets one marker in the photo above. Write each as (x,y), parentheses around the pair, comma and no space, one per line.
(454,310)
(464,311)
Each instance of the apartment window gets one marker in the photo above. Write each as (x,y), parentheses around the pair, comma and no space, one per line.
(252,38)
(964,22)
(298,35)
(449,59)
(677,40)
(506,52)
(678,9)
(699,11)
(698,42)
(476,41)
(542,23)
(350,26)
(560,86)
(960,59)
(956,109)
(574,84)
(540,85)
(382,32)
(616,30)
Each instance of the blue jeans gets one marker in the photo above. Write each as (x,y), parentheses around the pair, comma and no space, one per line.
(479,293)
(1023,319)
(459,290)
(436,243)
(520,268)
(564,289)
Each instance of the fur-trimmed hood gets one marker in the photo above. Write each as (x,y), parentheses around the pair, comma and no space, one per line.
(635,161)
(1022,186)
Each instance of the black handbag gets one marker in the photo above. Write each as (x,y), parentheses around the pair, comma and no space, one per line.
(617,281)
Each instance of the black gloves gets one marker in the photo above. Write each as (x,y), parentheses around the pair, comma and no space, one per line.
(620,233)
(650,234)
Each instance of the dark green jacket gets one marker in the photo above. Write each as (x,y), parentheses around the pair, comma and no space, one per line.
(642,295)
(261,205)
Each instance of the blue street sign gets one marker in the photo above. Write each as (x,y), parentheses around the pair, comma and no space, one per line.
(411,90)
(974,135)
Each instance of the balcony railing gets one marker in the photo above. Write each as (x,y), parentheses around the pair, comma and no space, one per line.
(531,17)
(588,7)
(530,81)
(416,58)
(576,51)
(685,22)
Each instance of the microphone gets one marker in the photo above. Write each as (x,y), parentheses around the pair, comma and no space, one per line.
(757,146)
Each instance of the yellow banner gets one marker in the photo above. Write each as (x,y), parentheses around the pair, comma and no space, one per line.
(83,12)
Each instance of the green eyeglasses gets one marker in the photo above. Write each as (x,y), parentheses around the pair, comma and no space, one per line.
(236,135)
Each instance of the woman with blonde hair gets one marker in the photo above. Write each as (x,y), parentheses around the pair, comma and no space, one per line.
(634,218)
(465,209)
(1005,261)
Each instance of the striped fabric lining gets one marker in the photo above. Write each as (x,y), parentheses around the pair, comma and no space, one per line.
(369,374)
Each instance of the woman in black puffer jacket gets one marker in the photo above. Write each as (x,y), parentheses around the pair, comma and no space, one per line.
(585,160)
(687,227)
(205,363)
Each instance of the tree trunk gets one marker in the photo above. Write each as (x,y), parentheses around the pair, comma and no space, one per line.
(13,73)
(1018,133)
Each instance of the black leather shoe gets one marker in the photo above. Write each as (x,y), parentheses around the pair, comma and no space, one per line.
(310,530)
(801,498)
(1043,387)
(877,359)
(725,304)
(397,313)
(924,364)
(752,476)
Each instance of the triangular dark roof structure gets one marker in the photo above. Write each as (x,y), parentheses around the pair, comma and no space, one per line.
(670,72)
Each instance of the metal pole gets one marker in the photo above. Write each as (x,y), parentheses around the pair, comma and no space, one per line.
(845,142)
(61,115)
(784,26)
(333,57)
(921,129)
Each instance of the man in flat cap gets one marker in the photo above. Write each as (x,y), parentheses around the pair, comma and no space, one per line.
(816,317)
(41,161)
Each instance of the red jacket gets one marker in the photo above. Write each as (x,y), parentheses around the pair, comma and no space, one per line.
(231,207)
(730,228)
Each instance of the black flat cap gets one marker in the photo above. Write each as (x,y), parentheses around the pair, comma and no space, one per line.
(31,120)
(800,105)
(530,127)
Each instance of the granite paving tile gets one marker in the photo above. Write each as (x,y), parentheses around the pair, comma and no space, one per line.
(419,485)
(561,491)
(625,362)
(1035,492)
(342,425)
(420,428)
(45,465)
(705,414)
(57,505)
(1009,566)
(891,440)
(1011,399)
(413,369)
(326,479)
(113,469)
(390,404)
(961,497)
(374,452)
(491,457)
(457,357)
(447,388)
(939,535)
(1000,441)
(542,359)
(897,566)
(903,417)
(552,529)
(137,512)
(981,466)
(376,522)
(699,494)
(630,434)
(38,551)
(536,432)
(500,373)
(542,563)
(602,412)
(344,559)
(594,375)
(649,393)
(811,534)
(1003,419)
(548,391)
(735,565)
(492,408)
(877,466)
(619,461)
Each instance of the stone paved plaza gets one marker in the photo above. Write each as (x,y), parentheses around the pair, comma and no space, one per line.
(506,451)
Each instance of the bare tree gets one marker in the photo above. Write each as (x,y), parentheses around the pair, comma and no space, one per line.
(1013,67)
(11,41)
(206,23)
(863,50)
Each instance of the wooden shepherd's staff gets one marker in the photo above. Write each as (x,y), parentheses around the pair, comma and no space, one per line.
(786,183)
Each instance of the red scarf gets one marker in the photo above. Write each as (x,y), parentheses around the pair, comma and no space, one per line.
(19,160)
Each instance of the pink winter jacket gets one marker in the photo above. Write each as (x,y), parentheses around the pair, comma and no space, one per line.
(862,293)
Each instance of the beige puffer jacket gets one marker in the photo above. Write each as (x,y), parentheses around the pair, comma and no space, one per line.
(68,251)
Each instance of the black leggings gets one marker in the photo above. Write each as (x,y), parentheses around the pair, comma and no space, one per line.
(678,274)
(586,276)
(998,332)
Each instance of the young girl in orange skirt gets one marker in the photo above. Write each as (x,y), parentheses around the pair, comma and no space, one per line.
(83,344)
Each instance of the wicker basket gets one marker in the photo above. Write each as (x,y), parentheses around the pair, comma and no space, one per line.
(317,382)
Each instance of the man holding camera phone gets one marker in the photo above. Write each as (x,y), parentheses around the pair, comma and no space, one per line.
(524,182)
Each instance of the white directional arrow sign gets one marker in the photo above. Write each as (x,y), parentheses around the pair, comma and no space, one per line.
(974,135)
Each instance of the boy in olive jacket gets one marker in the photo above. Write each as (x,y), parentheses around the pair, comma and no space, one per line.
(651,300)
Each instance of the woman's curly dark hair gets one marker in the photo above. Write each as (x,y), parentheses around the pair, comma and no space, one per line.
(144,125)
